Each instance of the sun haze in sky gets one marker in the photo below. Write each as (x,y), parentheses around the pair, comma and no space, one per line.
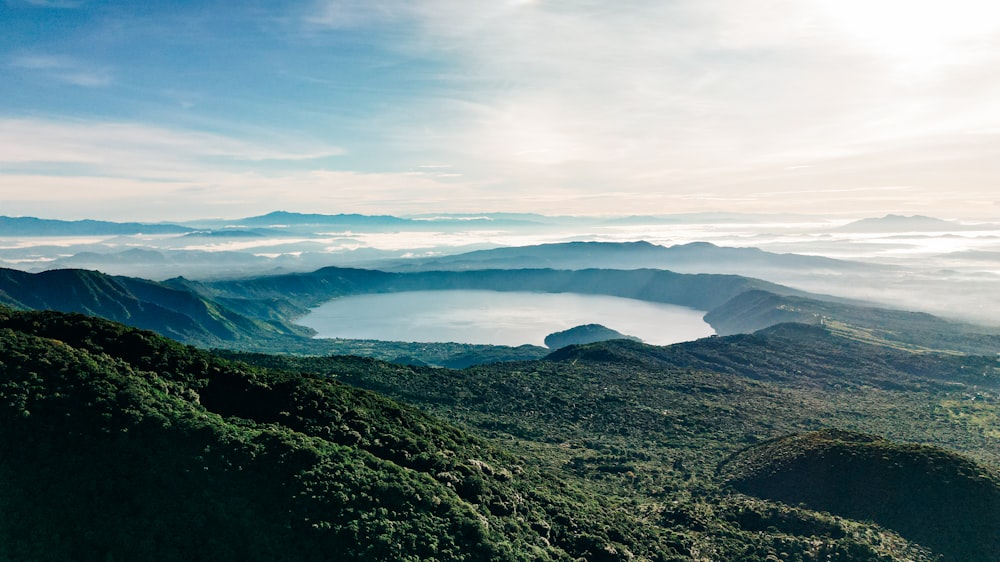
(173,110)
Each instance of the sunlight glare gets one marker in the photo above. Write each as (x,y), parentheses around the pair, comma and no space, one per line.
(917,35)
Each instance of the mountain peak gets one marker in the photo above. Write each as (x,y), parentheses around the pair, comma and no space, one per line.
(895,223)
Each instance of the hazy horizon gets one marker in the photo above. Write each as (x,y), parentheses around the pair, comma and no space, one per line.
(797,116)
(952,272)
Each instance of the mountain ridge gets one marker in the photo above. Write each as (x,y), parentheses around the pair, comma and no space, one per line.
(693,257)
(32,226)
(259,312)
(894,223)
(137,302)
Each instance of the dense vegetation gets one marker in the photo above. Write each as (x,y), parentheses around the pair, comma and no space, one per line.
(130,446)
(649,425)
(587,333)
(173,312)
(928,494)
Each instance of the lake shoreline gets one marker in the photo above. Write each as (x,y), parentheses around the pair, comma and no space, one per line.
(509,318)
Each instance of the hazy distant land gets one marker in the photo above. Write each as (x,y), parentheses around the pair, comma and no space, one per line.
(920,263)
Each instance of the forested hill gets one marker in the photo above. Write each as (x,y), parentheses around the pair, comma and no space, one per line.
(929,494)
(130,446)
(173,312)
(699,291)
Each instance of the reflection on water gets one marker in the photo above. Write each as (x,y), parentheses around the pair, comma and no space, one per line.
(499,318)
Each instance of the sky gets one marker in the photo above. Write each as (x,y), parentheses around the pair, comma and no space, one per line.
(180,110)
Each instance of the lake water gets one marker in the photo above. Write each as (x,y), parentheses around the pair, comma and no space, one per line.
(498,318)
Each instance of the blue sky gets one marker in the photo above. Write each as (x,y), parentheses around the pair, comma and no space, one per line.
(176,110)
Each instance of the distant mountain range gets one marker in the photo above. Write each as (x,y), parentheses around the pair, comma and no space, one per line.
(283,219)
(915,223)
(278,222)
(696,257)
(30,226)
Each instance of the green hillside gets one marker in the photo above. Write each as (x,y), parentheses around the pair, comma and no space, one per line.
(584,334)
(928,494)
(173,312)
(756,309)
(651,424)
(130,446)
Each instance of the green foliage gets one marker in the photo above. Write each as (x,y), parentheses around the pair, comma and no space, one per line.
(648,425)
(173,312)
(587,333)
(927,494)
(130,446)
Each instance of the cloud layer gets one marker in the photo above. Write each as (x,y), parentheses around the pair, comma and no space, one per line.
(552,106)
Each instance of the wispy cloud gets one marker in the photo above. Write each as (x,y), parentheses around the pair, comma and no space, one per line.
(341,14)
(86,168)
(56,3)
(124,146)
(65,69)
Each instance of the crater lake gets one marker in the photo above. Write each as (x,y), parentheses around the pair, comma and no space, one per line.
(498,317)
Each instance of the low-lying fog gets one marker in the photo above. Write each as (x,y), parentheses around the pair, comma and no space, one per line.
(498,318)
(946,268)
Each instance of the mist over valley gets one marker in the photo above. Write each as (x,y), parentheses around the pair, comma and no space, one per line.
(917,263)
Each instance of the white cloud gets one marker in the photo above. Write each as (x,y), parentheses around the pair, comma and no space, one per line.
(679,97)
(577,107)
(78,169)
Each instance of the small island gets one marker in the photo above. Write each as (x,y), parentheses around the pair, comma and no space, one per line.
(583,334)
